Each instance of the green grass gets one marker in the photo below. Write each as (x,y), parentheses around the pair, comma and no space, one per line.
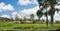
(9,25)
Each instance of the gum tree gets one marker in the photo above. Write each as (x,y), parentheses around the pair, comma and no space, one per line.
(52,10)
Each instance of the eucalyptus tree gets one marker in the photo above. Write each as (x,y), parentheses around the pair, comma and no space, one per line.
(45,5)
(52,10)
(39,13)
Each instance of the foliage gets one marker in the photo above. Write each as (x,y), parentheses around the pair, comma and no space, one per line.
(39,14)
(52,10)
(32,16)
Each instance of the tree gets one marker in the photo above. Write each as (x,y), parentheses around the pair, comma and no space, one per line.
(45,5)
(16,17)
(32,16)
(52,10)
(39,13)
(24,18)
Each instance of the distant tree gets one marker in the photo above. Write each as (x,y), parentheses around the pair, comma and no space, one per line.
(16,17)
(43,20)
(57,21)
(24,18)
(32,16)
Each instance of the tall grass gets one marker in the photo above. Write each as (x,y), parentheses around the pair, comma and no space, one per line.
(9,25)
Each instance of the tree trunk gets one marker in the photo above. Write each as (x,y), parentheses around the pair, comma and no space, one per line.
(52,19)
(46,17)
(47,20)
(39,19)
(52,11)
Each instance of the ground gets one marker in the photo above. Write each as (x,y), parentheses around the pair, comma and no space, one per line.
(11,25)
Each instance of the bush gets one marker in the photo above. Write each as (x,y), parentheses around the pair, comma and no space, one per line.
(57,21)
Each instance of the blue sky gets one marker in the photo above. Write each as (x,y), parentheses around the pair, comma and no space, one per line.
(22,8)
(16,6)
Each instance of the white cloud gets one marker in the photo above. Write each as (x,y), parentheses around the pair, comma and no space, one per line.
(57,6)
(57,16)
(8,7)
(27,12)
(26,2)
(5,7)
(14,13)
(6,16)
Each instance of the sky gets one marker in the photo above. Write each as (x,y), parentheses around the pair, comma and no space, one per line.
(22,8)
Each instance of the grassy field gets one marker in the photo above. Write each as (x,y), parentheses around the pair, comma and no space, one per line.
(10,25)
